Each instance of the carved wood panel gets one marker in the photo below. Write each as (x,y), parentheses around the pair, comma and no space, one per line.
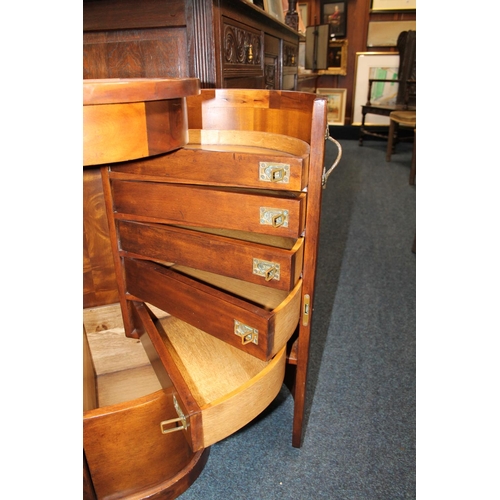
(290,55)
(242,46)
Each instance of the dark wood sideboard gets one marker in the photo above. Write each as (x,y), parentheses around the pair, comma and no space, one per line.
(223,43)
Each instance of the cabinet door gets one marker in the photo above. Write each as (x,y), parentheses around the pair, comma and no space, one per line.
(289,68)
(241,55)
(272,70)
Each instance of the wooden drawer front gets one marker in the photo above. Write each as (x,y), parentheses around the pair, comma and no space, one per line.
(245,325)
(246,211)
(256,263)
(125,448)
(230,158)
(229,386)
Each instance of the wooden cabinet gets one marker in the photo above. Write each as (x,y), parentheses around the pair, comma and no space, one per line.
(214,244)
(223,43)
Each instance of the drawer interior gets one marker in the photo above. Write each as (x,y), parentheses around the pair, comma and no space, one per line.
(121,369)
(228,386)
(231,387)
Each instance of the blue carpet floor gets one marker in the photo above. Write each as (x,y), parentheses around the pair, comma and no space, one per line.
(359,440)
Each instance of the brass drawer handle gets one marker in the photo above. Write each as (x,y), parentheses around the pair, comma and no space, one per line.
(274,172)
(247,333)
(273,217)
(181,418)
(249,48)
(268,270)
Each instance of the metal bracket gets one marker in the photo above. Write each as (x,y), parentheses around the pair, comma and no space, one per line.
(306,309)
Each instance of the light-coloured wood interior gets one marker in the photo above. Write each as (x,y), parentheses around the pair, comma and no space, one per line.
(121,368)
(266,297)
(230,386)
(263,239)
(108,317)
(246,141)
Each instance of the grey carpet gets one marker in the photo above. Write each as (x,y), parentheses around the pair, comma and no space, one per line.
(359,440)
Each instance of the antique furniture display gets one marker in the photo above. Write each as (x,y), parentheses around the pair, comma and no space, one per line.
(406,80)
(128,448)
(225,44)
(214,243)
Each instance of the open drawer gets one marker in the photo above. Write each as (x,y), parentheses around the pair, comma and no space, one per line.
(253,318)
(149,418)
(271,261)
(265,212)
(125,453)
(229,386)
(247,158)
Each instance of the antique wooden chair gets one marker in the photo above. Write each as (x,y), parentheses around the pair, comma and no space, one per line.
(406,96)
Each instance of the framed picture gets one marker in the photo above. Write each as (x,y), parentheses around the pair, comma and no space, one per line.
(275,9)
(258,3)
(335,15)
(303,9)
(337,58)
(336,105)
(386,33)
(393,5)
(383,65)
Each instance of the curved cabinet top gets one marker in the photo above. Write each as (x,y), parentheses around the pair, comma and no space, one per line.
(125,90)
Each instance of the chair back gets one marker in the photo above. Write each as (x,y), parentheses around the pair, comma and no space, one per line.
(407,74)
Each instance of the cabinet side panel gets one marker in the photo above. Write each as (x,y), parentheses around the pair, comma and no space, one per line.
(99,273)
(152,53)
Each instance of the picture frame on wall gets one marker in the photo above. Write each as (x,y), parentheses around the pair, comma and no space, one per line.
(335,15)
(393,5)
(275,9)
(336,104)
(386,33)
(383,65)
(303,10)
(258,3)
(336,58)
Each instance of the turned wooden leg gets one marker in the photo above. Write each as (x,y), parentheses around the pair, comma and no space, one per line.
(362,129)
(390,140)
(413,169)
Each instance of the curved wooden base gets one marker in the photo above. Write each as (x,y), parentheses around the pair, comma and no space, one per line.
(178,484)
(170,489)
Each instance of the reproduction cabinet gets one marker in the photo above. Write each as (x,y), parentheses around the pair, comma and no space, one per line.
(222,43)
(214,244)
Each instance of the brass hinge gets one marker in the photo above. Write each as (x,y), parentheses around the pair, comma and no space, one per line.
(306,309)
